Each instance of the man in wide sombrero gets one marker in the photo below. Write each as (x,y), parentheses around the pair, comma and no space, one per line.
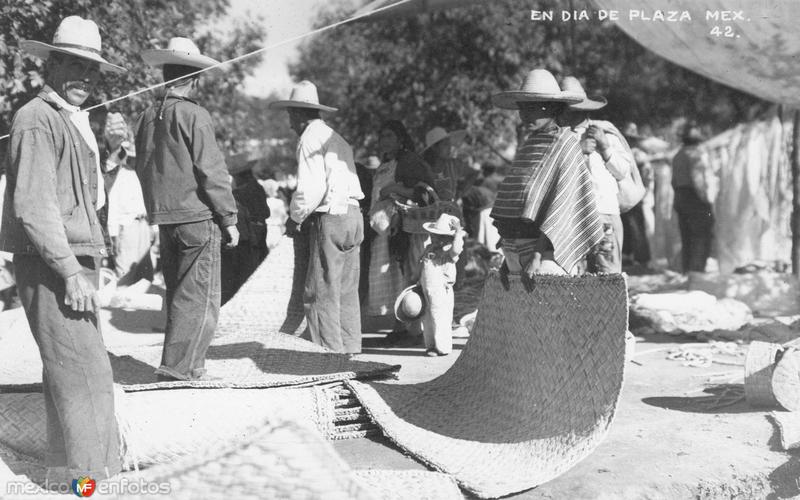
(326,204)
(187,192)
(50,224)
(545,209)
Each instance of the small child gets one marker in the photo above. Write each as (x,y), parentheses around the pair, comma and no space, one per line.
(437,279)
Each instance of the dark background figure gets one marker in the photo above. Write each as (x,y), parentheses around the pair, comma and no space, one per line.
(694,209)
(635,244)
(239,263)
(365,176)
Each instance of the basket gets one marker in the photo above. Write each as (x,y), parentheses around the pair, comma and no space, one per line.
(758,367)
(414,217)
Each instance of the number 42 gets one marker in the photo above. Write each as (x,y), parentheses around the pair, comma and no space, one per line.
(727,31)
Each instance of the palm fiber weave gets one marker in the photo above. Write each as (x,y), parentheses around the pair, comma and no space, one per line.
(533,392)
(248,351)
(274,459)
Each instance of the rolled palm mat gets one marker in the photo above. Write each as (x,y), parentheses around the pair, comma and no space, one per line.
(533,392)
(274,459)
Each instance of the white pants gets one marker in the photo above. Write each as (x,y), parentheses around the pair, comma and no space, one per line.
(437,320)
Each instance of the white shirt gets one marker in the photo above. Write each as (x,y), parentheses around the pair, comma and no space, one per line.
(81,121)
(125,200)
(326,173)
(606,173)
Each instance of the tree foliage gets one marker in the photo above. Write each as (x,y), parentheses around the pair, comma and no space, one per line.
(441,68)
(127,28)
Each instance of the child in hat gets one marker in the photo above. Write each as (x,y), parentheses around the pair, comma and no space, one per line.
(437,279)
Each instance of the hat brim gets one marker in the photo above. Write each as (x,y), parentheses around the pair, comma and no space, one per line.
(300,104)
(398,311)
(590,104)
(159,57)
(431,228)
(512,98)
(42,50)
(456,138)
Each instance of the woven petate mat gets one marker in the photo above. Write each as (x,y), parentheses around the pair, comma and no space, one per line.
(274,459)
(248,351)
(533,392)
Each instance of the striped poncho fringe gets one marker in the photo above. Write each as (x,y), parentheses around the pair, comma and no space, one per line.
(549,183)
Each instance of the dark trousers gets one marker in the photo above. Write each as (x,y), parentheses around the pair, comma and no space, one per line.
(696,224)
(331,291)
(635,237)
(78,384)
(190,256)
(697,233)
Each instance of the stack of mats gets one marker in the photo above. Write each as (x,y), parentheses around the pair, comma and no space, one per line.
(533,392)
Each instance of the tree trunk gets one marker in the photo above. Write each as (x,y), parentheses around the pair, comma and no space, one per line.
(795,161)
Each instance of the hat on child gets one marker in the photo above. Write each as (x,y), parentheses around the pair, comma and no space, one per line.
(446,225)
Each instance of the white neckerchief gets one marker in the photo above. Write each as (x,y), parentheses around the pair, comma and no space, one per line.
(81,121)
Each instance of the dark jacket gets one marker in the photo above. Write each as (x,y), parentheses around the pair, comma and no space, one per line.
(181,169)
(49,206)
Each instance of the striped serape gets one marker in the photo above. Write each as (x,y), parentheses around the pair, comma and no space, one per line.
(549,183)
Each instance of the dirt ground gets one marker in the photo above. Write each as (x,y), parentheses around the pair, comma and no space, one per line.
(670,439)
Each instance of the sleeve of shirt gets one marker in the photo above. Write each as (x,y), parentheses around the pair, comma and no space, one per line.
(310,179)
(213,174)
(33,159)
(618,161)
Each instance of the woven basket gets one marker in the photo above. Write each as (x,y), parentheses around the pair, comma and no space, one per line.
(412,218)
(759,364)
(533,392)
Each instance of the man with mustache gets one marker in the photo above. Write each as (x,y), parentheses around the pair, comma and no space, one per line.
(50,224)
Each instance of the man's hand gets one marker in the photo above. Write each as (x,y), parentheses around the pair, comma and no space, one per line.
(292,228)
(533,268)
(81,294)
(504,276)
(231,237)
(596,133)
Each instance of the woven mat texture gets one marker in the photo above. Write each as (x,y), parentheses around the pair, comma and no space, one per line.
(162,426)
(274,459)
(248,350)
(533,392)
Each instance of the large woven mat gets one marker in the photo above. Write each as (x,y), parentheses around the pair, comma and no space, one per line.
(533,392)
(248,351)
(161,426)
(274,459)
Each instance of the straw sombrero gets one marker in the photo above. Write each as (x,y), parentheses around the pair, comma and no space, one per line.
(410,304)
(77,37)
(539,86)
(446,225)
(573,86)
(438,134)
(180,51)
(304,95)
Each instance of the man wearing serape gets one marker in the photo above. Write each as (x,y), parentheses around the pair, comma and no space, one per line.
(545,209)
(187,192)
(610,161)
